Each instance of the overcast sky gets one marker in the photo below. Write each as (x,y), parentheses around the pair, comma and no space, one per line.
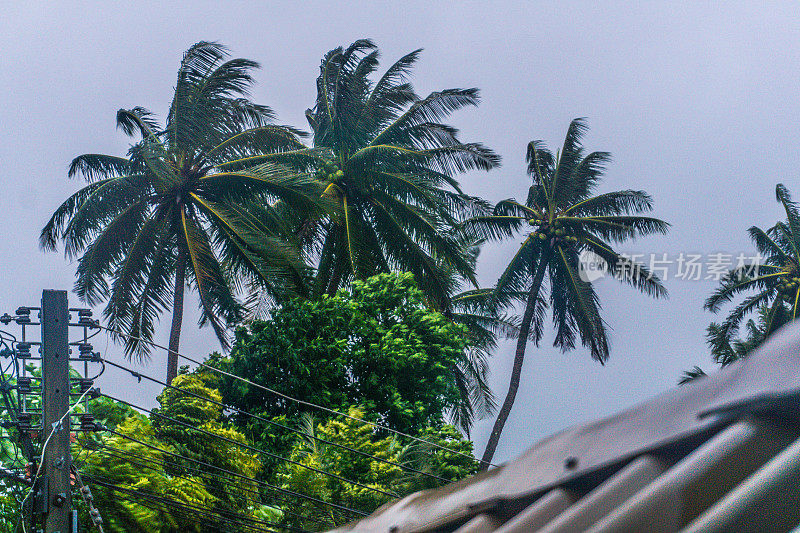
(697,102)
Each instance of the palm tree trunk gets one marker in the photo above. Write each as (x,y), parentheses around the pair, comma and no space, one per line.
(519,357)
(177,316)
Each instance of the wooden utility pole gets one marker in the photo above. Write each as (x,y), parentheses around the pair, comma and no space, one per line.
(55,496)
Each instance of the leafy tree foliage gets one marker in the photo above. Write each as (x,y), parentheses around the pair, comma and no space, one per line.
(185,207)
(566,217)
(378,346)
(137,467)
(385,159)
(774,283)
(351,465)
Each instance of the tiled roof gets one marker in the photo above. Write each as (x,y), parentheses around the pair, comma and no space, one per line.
(719,454)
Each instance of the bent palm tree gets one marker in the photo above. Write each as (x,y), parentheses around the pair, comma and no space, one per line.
(389,164)
(567,218)
(775,278)
(170,213)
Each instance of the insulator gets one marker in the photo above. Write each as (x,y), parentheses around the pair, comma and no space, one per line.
(23,311)
(87,423)
(24,420)
(84,312)
(24,385)
(23,350)
(85,384)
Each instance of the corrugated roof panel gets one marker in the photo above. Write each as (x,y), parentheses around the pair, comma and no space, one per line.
(720,454)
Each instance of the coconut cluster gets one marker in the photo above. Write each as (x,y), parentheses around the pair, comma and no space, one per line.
(787,287)
(556,231)
(329,172)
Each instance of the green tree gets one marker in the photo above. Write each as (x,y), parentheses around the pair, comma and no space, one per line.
(378,346)
(184,207)
(387,161)
(725,350)
(566,218)
(774,280)
(108,459)
(351,465)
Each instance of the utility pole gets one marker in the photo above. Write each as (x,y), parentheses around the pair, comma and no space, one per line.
(54,487)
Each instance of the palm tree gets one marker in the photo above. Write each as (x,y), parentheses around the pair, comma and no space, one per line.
(185,207)
(567,219)
(775,278)
(385,159)
(726,350)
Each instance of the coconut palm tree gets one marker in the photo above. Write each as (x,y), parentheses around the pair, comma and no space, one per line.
(566,219)
(726,350)
(388,163)
(184,207)
(774,279)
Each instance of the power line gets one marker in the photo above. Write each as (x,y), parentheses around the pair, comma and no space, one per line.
(254,449)
(153,464)
(239,520)
(234,474)
(88,500)
(302,402)
(277,424)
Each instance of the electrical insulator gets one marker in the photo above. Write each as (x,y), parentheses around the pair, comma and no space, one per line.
(87,423)
(23,350)
(85,384)
(24,385)
(24,420)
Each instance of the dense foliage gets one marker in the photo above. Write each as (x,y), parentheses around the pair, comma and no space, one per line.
(143,474)
(387,477)
(378,346)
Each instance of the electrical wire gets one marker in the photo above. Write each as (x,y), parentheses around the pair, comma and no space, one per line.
(253,448)
(153,464)
(222,514)
(239,520)
(277,424)
(301,402)
(234,474)
(88,500)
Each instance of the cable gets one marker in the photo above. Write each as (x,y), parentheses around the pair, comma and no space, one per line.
(153,464)
(234,474)
(254,449)
(190,510)
(88,500)
(302,402)
(282,426)
(240,518)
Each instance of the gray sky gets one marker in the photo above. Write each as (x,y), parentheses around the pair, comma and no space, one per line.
(697,102)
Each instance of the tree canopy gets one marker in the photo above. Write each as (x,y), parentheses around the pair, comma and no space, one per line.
(378,346)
